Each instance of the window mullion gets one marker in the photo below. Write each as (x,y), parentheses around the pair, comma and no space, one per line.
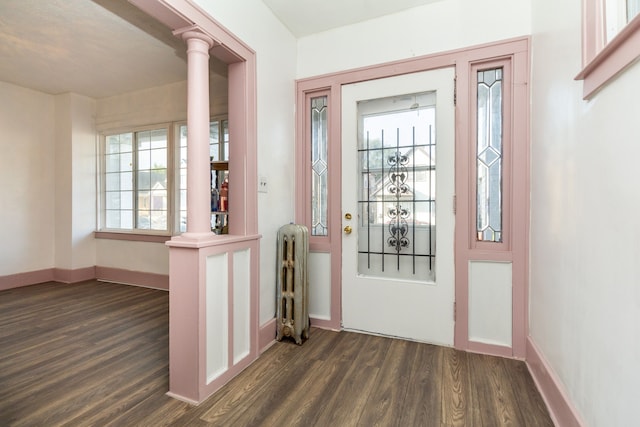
(134,169)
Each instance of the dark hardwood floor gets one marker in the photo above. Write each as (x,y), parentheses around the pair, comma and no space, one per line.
(96,354)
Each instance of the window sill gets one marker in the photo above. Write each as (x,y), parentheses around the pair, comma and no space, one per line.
(133,237)
(617,55)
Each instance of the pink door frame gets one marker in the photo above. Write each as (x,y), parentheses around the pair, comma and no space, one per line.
(516,53)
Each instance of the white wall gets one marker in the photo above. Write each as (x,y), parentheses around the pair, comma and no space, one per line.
(275,47)
(585,275)
(156,105)
(436,27)
(27,175)
(75,169)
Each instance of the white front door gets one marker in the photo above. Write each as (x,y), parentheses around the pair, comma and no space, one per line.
(397,206)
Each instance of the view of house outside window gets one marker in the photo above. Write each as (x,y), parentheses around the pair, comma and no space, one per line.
(142,182)
(135,180)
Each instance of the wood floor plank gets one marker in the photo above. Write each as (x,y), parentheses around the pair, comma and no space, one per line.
(357,384)
(384,405)
(530,403)
(253,380)
(314,399)
(290,378)
(96,354)
(421,406)
(457,404)
(493,396)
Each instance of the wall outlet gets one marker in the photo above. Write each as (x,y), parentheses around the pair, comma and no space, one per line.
(262,184)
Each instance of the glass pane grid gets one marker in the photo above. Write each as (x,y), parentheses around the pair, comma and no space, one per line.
(396,154)
(136,180)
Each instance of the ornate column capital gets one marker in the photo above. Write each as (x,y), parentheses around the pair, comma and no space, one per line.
(195,33)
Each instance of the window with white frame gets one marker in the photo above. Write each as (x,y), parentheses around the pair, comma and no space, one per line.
(610,41)
(136,185)
(142,183)
(618,13)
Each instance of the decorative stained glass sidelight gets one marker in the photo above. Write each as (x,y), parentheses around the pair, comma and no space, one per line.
(319,166)
(489,156)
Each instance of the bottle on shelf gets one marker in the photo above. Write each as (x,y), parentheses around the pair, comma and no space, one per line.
(224,195)
(215,200)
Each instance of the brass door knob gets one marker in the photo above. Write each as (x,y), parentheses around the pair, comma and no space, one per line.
(347,229)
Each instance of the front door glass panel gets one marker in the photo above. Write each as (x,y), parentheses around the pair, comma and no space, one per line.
(397,187)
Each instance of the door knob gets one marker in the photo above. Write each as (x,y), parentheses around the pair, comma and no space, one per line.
(347,229)
(347,215)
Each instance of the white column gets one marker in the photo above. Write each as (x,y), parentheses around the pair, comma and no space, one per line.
(198,166)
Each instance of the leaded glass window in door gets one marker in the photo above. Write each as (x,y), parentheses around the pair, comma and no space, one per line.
(397,188)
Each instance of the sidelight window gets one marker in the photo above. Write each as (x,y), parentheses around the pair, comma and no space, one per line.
(319,165)
(489,156)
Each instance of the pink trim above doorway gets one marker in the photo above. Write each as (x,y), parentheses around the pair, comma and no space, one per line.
(562,411)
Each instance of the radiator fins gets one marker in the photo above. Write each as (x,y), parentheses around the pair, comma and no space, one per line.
(292,283)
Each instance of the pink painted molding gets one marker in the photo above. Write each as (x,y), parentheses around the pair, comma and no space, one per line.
(603,62)
(332,325)
(562,410)
(61,275)
(134,237)
(74,276)
(25,279)
(267,335)
(187,254)
(136,278)
(108,274)
(516,52)
(490,349)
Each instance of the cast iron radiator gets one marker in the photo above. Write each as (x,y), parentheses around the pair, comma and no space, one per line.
(292,283)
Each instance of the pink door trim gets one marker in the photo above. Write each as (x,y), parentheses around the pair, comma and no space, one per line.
(517,52)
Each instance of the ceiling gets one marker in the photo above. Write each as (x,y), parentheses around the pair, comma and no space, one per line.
(86,47)
(101,48)
(305,17)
